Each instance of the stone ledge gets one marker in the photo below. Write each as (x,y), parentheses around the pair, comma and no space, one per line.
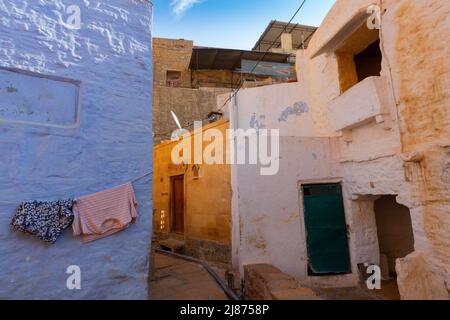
(172,244)
(296,294)
(265,282)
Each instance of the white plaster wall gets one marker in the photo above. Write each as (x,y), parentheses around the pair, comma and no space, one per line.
(365,166)
(271,220)
(342,12)
(370,161)
(268,222)
(111,56)
(315,75)
(358,106)
(270,107)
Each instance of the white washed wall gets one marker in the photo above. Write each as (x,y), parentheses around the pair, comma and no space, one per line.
(111,56)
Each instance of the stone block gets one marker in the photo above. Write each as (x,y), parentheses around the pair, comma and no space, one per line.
(296,294)
(263,280)
(171,244)
(417,282)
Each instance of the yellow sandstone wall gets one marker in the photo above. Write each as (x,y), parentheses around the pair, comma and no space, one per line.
(189,102)
(421,73)
(171,55)
(416,61)
(207,202)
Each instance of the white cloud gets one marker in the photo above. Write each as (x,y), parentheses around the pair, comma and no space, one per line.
(179,7)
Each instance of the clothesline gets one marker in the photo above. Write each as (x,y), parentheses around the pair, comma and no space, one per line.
(142,177)
(132,181)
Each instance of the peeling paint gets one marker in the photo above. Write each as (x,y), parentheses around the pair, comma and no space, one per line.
(11,89)
(446,171)
(297,109)
(293,218)
(258,219)
(257,123)
(257,242)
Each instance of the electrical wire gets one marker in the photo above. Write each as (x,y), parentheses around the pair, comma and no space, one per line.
(264,55)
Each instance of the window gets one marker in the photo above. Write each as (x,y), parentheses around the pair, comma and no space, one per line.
(173,79)
(368,62)
(359,57)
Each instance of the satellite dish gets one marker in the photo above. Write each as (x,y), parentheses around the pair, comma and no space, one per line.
(180,131)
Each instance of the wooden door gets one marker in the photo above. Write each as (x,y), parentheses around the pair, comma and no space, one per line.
(177,204)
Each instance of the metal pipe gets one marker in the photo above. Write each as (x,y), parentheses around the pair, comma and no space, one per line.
(230,293)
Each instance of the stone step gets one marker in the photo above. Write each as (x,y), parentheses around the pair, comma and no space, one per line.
(300,294)
(172,245)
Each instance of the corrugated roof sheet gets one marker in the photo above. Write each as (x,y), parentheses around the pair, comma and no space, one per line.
(274,30)
(204,58)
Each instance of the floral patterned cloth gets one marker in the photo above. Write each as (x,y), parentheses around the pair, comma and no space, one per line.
(45,220)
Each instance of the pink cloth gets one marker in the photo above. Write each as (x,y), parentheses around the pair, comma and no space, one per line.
(102,214)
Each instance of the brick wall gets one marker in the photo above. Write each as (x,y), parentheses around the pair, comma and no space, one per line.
(188,103)
(171,55)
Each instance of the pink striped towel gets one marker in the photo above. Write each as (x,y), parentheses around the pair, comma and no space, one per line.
(102,214)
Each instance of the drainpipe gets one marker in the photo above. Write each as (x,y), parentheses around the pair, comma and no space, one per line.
(235,224)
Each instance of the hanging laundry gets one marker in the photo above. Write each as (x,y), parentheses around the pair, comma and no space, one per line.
(105,213)
(45,220)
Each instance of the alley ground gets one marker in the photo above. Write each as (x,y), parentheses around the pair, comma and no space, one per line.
(389,291)
(178,279)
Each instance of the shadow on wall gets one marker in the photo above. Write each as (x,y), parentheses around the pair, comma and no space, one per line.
(395,231)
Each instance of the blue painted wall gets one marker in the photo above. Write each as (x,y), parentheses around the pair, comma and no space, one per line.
(111,55)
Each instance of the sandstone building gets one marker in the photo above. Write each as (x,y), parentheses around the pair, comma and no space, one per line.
(192,202)
(364,154)
(188,79)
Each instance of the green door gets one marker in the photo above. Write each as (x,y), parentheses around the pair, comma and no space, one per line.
(326,229)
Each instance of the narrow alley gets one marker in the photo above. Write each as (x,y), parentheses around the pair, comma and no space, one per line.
(178,279)
(174,278)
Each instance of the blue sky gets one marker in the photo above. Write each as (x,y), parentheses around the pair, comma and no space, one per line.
(229,23)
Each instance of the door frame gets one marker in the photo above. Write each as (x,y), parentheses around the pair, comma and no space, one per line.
(171,204)
(347,205)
